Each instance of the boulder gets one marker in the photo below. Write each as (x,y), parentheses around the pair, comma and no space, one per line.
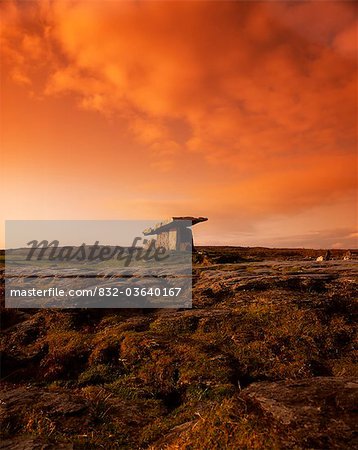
(347,256)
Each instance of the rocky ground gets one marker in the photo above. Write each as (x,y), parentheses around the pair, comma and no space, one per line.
(266,359)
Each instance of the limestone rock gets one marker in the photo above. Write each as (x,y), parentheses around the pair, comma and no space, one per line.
(32,443)
(319,413)
(347,256)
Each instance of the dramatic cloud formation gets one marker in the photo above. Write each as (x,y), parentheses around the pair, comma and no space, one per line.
(241,111)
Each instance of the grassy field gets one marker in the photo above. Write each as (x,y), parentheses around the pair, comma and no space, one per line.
(187,379)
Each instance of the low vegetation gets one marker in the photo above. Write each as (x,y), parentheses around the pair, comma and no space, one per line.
(172,379)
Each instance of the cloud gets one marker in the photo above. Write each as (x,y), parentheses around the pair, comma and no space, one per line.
(266,92)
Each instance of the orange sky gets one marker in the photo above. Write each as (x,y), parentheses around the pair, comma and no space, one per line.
(242,112)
